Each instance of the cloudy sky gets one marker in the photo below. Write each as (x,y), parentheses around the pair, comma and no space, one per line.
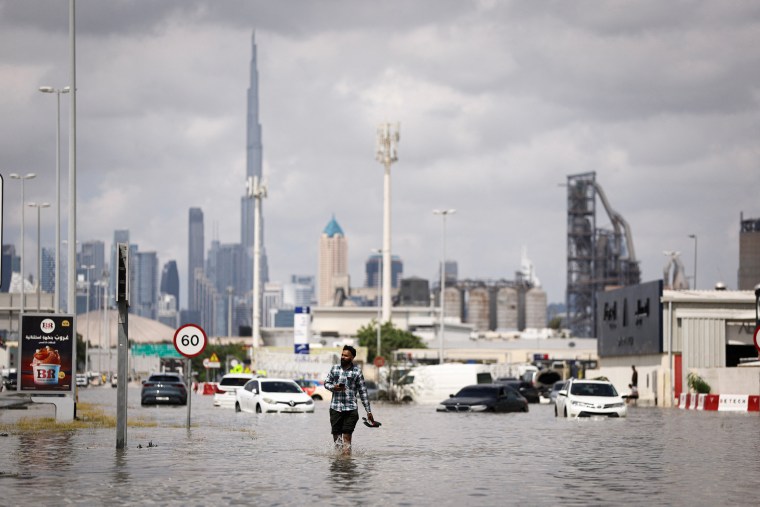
(498,101)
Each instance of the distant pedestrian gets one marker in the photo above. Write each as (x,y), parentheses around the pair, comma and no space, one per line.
(634,377)
(633,395)
(346,381)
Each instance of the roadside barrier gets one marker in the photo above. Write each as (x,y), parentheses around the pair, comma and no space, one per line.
(209,388)
(720,402)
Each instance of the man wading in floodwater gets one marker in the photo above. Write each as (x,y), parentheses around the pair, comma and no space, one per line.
(346,381)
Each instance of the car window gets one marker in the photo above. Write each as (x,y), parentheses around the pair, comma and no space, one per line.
(475,392)
(164,378)
(276,386)
(588,389)
(484,378)
(233,381)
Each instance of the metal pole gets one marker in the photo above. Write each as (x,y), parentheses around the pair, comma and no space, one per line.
(87,341)
(442,330)
(443,286)
(72,235)
(694,237)
(39,257)
(123,378)
(189,377)
(757,305)
(22,178)
(229,311)
(57,280)
(379,284)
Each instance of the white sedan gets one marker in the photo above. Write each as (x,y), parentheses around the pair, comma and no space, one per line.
(224,391)
(586,398)
(263,395)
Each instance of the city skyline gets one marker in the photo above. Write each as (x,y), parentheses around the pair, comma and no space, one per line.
(498,103)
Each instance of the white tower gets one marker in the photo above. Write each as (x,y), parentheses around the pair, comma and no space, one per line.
(387,153)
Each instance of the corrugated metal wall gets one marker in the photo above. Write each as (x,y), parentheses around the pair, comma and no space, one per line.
(704,343)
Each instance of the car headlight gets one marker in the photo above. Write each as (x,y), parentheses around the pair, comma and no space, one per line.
(616,405)
(441,408)
(310,402)
(478,408)
(268,400)
(577,403)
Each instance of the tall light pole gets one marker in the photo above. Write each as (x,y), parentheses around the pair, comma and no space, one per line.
(386,154)
(379,252)
(257,191)
(23,178)
(57,282)
(39,207)
(72,218)
(87,340)
(694,237)
(444,213)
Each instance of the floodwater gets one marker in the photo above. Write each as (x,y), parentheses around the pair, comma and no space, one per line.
(418,457)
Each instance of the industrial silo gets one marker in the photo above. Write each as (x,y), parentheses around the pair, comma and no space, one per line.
(452,303)
(477,308)
(506,308)
(535,308)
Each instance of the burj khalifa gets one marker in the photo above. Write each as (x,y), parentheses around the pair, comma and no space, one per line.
(253,168)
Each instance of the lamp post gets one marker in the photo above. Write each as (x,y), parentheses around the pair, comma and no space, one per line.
(57,282)
(444,213)
(694,237)
(23,178)
(379,282)
(387,153)
(39,207)
(87,338)
(229,311)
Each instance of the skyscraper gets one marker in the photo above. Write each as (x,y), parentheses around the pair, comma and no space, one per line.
(333,263)
(254,150)
(195,246)
(749,252)
(170,281)
(145,302)
(92,253)
(372,270)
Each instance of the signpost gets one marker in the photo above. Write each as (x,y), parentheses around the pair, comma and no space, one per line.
(190,341)
(301,329)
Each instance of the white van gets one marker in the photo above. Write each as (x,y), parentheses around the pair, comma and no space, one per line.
(434,383)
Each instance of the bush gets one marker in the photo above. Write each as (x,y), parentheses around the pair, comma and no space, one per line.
(697,383)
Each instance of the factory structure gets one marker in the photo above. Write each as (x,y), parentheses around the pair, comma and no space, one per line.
(597,259)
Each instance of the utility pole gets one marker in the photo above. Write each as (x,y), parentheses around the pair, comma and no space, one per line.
(256,190)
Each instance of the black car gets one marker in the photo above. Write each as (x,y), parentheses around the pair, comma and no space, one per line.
(485,398)
(525,388)
(162,388)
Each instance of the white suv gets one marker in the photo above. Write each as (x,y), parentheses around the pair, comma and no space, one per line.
(586,398)
(224,394)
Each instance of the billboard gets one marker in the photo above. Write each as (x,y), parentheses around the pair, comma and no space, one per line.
(630,320)
(46,353)
(301,329)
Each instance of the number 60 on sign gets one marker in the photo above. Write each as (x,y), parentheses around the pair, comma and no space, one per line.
(190,340)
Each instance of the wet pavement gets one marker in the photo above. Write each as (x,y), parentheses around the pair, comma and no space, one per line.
(417,457)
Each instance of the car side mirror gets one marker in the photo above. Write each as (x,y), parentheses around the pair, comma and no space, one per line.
(451,396)
(563,392)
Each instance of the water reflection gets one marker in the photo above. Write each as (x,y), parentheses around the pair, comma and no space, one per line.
(419,457)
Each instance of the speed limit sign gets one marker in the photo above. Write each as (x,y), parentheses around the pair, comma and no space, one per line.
(190,340)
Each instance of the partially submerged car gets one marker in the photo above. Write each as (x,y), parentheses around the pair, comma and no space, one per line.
(485,398)
(586,398)
(224,391)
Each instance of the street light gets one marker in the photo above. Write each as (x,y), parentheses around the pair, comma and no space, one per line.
(23,178)
(57,282)
(444,213)
(87,341)
(39,207)
(694,237)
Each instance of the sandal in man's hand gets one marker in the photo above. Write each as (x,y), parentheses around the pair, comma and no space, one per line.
(373,424)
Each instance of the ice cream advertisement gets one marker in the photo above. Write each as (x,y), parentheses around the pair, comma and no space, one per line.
(47,353)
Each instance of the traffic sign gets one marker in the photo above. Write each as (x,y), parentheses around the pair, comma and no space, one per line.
(190,340)
(208,364)
(214,358)
(379,361)
(757,338)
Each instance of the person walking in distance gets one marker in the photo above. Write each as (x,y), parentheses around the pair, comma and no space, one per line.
(634,377)
(346,381)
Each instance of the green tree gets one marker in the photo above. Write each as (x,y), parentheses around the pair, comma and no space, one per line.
(391,339)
